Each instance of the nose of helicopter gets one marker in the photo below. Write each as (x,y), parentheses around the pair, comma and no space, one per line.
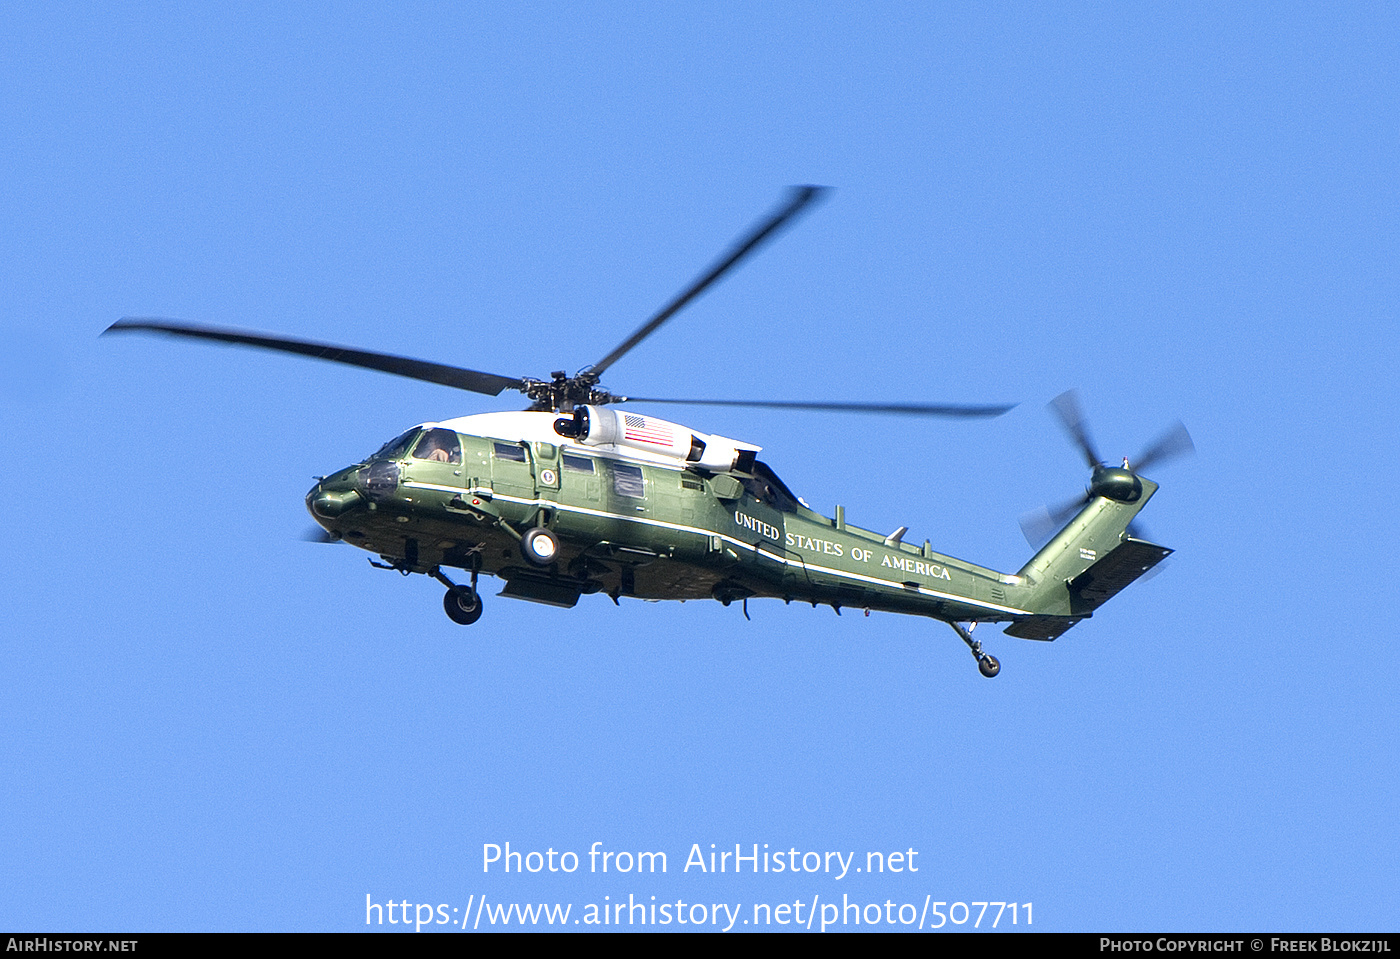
(332,497)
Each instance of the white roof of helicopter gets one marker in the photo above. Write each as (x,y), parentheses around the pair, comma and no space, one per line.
(537,426)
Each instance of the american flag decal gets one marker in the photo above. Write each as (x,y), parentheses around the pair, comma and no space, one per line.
(639,430)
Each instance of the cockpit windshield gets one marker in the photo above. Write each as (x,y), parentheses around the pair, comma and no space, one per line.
(398,446)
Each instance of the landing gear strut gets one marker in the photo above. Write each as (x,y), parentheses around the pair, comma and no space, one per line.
(462,603)
(987,664)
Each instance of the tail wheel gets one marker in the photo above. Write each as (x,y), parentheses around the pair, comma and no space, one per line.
(539,546)
(463,606)
(989,666)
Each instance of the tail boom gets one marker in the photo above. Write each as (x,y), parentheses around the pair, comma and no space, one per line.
(1086,564)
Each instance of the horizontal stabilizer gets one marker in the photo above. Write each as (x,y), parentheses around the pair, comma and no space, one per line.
(1119,567)
(1093,587)
(1041,627)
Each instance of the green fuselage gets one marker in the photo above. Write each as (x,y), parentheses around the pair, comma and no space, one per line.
(642,529)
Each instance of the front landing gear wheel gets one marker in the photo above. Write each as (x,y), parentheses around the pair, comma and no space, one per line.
(462,605)
(989,666)
(539,546)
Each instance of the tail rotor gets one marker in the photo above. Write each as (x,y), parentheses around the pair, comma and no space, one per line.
(1041,524)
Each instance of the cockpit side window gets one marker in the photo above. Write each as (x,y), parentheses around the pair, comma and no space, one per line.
(440,446)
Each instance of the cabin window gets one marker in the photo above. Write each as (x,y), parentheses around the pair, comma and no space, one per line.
(439,446)
(627,481)
(508,451)
(577,464)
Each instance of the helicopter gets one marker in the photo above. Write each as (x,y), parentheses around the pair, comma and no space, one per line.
(570,497)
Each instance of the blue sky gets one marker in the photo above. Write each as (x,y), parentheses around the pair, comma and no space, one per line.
(1187,212)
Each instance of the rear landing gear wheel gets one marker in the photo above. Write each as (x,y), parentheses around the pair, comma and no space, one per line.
(987,664)
(463,606)
(539,546)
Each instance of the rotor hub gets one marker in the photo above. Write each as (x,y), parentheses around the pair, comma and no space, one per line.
(563,393)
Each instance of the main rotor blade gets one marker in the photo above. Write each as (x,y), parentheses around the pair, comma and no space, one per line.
(906,409)
(1066,406)
(1173,443)
(798,198)
(454,376)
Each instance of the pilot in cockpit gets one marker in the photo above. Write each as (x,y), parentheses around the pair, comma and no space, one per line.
(439,446)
